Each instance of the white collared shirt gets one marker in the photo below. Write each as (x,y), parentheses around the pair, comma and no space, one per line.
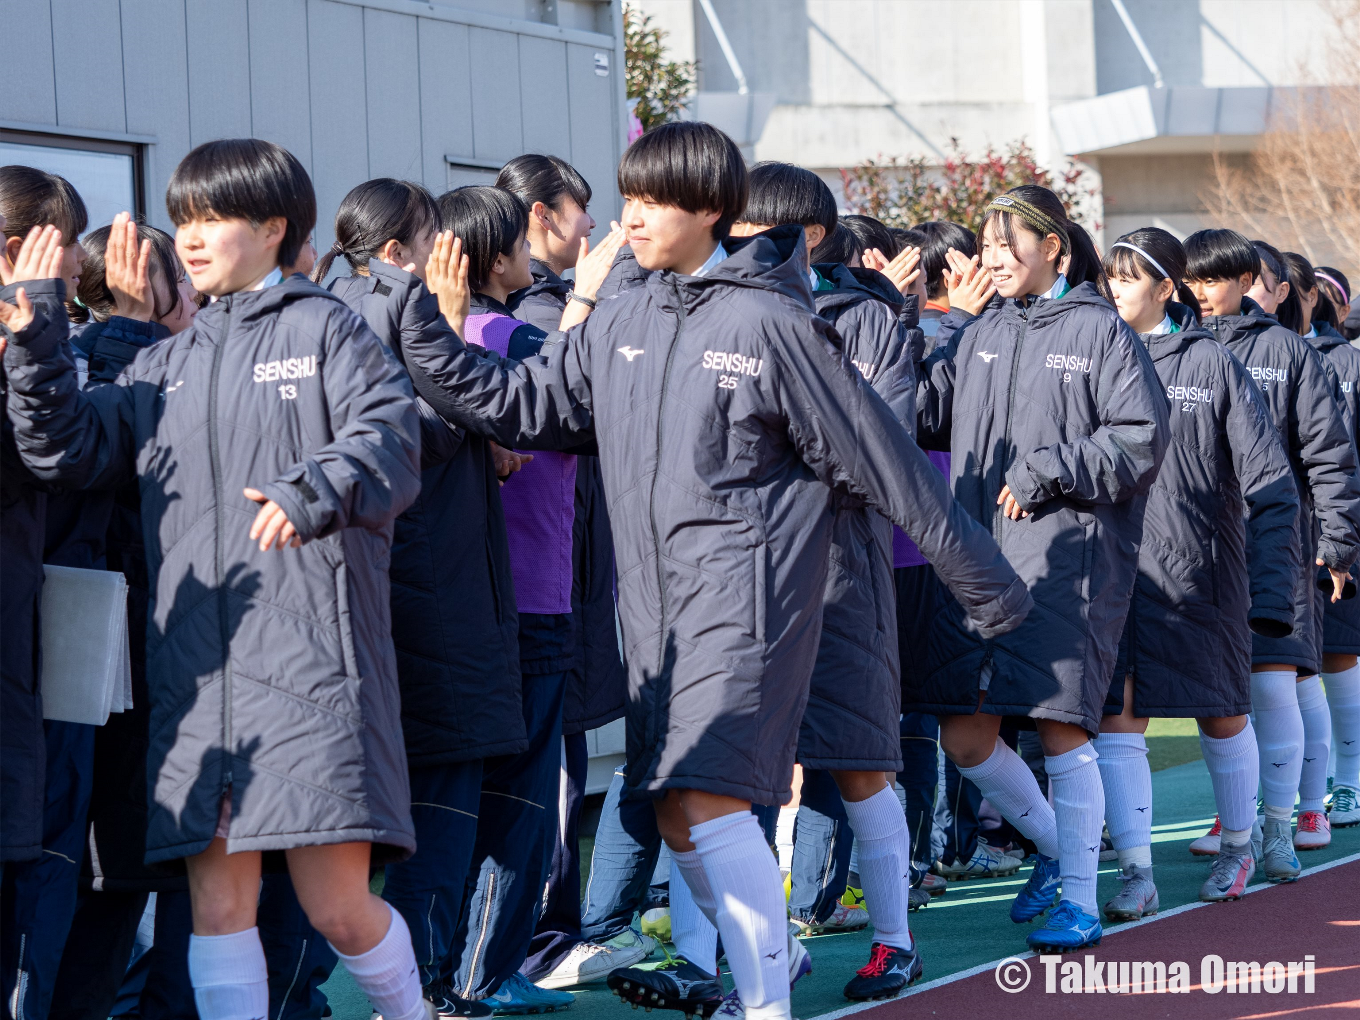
(719,253)
(1165,326)
(1058,289)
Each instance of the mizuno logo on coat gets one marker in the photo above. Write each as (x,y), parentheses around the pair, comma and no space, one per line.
(730,361)
(288,368)
(630,352)
(987,356)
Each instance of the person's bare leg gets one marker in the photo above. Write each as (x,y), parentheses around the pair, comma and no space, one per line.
(734,879)
(226,960)
(370,937)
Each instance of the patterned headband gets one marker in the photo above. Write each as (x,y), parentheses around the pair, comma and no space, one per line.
(1034,216)
(1155,264)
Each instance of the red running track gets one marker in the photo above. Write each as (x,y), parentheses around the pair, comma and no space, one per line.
(1318,915)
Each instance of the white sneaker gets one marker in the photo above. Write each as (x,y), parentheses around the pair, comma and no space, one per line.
(987,862)
(1208,844)
(1345,808)
(1313,831)
(589,963)
(842,919)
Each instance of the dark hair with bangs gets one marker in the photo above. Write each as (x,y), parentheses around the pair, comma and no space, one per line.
(547,179)
(870,233)
(1336,293)
(839,246)
(491,221)
(374,213)
(248,179)
(940,236)
(689,165)
(1219,254)
(782,193)
(96,300)
(1302,280)
(30,198)
(1127,264)
(1043,200)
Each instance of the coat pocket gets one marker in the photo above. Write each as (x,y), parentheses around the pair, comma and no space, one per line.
(346,623)
(760,565)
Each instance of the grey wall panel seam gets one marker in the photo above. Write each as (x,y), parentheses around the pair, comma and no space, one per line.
(70,132)
(479,20)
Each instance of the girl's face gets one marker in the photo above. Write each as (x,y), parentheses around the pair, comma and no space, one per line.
(1308,300)
(415,255)
(556,234)
(224,256)
(516,272)
(1268,291)
(1141,301)
(668,237)
(178,320)
(1031,267)
(1221,296)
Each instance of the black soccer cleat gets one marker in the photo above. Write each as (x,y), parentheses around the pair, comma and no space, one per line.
(888,971)
(674,984)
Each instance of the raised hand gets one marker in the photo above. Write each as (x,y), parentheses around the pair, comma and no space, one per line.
(592,268)
(39,257)
(15,317)
(446,273)
(270,523)
(970,286)
(904,270)
(126,271)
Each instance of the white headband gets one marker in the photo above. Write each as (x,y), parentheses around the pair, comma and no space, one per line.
(1155,264)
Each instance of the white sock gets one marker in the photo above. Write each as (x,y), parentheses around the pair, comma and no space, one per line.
(884,863)
(1234,769)
(387,973)
(751,913)
(1127,780)
(230,979)
(1279,735)
(694,936)
(1317,740)
(1007,782)
(1343,699)
(1079,806)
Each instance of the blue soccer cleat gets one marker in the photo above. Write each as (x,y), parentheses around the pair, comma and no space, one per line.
(1039,893)
(1069,928)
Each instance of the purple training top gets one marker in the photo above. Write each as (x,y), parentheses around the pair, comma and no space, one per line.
(539,502)
(905,553)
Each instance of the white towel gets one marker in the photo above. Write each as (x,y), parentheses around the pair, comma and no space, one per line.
(86,669)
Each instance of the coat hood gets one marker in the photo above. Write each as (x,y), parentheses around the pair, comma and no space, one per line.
(545,282)
(1046,309)
(854,284)
(249,305)
(1327,337)
(1251,319)
(775,260)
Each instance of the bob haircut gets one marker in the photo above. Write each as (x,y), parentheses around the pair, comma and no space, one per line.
(1046,202)
(1220,254)
(839,246)
(96,300)
(374,213)
(547,179)
(30,198)
(782,193)
(939,236)
(870,233)
(688,165)
(1127,264)
(491,221)
(247,179)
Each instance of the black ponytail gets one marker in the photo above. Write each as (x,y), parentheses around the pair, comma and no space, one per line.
(1084,264)
(1302,280)
(374,213)
(1289,312)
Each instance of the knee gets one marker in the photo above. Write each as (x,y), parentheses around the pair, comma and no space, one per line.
(224,912)
(345,929)
(859,786)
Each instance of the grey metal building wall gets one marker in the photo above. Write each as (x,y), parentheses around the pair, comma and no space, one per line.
(355,88)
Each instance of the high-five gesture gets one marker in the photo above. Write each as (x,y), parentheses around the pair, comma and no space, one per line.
(592,268)
(970,286)
(446,272)
(904,270)
(126,271)
(39,257)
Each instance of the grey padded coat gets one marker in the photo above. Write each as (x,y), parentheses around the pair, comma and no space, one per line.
(1060,402)
(1220,542)
(851,721)
(1303,399)
(272,675)
(723,408)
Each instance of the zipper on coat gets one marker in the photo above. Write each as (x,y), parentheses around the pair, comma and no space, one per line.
(656,473)
(219,555)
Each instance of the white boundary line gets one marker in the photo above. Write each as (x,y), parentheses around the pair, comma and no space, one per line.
(982,968)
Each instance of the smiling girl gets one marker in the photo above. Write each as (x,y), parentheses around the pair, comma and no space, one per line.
(1053,415)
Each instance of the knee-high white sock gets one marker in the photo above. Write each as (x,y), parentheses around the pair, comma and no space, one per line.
(1008,783)
(1127,780)
(1079,805)
(751,914)
(230,979)
(694,936)
(1234,769)
(884,863)
(1317,743)
(387,973)
(1343,700)
(1279,735)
